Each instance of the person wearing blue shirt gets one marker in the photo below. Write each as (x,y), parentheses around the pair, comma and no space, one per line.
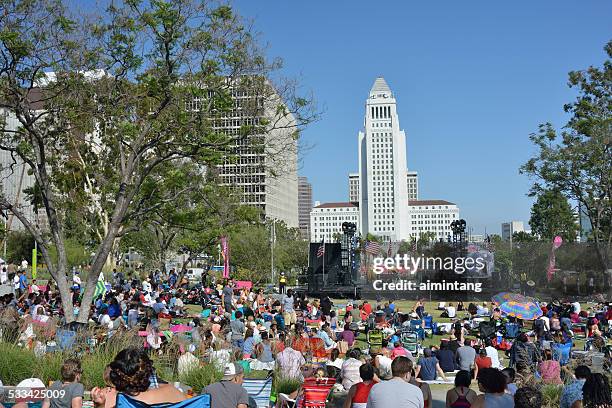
(114,310)
(249,343)
(159,307)
(322,334)
(23,283)
(280,321)
(173,278)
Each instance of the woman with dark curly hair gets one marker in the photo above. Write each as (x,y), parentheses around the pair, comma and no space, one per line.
(129,373)
(596,392)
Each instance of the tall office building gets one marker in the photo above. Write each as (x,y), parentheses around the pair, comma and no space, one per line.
(412,184)
(353,180)
(15,178)
(262,167)
(304,206)
(383,195)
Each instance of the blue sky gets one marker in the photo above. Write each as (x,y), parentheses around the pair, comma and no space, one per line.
(472,79)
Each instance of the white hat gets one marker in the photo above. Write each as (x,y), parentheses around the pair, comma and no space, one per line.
(31,383)
(231,370)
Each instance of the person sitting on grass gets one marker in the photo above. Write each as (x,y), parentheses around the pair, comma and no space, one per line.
(357,396)
(482,360)
(249,343)
(527,397)
(130,373)
(399,350)
(428,367)
(72,395)
(461,396)
(492,383)
(550,369)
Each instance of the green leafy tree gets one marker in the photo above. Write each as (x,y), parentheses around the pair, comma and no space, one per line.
(552,215)
(136,86)
(405,247)
(251,251)
(425,239)
(522,237)
(577,162)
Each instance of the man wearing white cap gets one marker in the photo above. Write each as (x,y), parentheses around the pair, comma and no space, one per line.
(229,392)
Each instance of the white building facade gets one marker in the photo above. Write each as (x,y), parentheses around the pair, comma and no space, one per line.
(412,185)
(353,180)
(326,219)
(432,215)
(383,191)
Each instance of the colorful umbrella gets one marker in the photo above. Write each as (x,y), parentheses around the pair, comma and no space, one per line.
(503,297)
(521,310)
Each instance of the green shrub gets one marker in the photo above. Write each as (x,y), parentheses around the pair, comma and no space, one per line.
(17,363)
(49,366)
(200,377)
(551,395)
(286,385)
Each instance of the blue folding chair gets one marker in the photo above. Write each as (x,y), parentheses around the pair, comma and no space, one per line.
(201,401)
(65,339)
(562,352)
(512,330)
(260,390)
(417,326)
(430,325)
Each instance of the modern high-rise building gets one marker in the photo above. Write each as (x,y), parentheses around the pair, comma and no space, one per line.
(509,228)
(304,206)
(326,220)
(412,184)
(353,180)
(262,167)
(15,178)
(383,195)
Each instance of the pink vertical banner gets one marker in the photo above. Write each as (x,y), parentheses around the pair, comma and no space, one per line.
(225,255)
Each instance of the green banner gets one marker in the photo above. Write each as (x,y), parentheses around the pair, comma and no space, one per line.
(34,263)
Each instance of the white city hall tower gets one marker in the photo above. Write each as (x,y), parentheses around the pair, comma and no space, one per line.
(383,194)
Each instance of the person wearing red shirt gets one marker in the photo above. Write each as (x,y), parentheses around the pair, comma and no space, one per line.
(482,360)
(357,396)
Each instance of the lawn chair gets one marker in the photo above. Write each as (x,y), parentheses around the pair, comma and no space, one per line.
(486,330)
(260,390)
(375,338)
(562,352)
(417,326)
(201,401)
(430,326)
(410,341)
(65,339)
(316,392)
(512,330)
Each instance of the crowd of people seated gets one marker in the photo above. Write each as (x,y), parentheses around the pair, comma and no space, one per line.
(240,330)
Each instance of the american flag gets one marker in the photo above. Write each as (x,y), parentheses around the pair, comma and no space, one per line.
(321,250)
(373,247)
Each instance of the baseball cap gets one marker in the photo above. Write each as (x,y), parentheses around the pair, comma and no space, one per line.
(231,370)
